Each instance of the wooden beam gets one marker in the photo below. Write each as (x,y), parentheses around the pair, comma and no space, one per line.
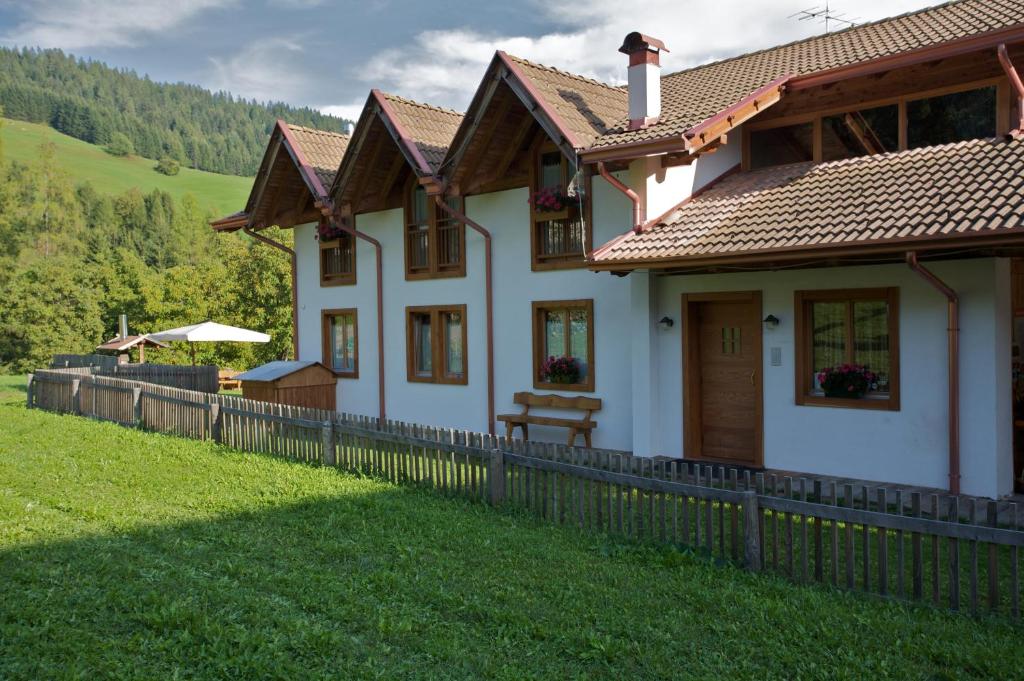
(369,165)
(515,148)
(485,143)
(389,180)
(714,128)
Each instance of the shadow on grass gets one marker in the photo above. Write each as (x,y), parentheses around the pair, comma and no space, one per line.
(392,582)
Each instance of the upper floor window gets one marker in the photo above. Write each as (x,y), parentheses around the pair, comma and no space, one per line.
(435,243)
(436,344)
(907,122)
(558,212)
(338,261)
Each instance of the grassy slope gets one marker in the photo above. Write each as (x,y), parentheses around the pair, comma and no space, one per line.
(84,161)
(127,554)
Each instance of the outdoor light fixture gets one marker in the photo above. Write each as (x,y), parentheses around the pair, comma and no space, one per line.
(770,322)
(666,323)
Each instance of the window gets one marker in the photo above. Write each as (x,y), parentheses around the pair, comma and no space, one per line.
(435,243)
(337,262)
(339,330)
(905,122)
(558,234)
(436,344)
(951,118)
(563,345)
(859,133)
(836,329)
(784,144)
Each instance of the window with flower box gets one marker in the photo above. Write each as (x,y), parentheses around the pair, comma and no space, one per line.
(337,256)
(563,345)
(339,329)
(847,348)
(435,243)
(559,211)
(436,344)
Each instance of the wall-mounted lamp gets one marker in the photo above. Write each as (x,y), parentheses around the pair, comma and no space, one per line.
(666,323)
(770,322)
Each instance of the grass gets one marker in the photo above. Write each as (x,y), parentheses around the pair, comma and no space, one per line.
(131,554)
(113,175)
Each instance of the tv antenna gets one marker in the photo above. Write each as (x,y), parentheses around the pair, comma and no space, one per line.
(824,15)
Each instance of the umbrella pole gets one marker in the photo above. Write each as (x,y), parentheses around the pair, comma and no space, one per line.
(192,351)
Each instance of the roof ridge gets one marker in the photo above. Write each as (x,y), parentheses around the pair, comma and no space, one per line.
(825,36)
(424,105)
(318,131)
(561,72)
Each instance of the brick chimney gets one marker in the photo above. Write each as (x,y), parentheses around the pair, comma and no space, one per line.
(644,78)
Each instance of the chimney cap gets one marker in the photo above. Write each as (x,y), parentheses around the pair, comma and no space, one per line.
(637,42)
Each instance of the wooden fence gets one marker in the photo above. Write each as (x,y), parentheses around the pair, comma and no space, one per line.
(201,378)
(928,550)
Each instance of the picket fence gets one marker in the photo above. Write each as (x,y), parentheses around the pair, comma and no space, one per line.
(872,541)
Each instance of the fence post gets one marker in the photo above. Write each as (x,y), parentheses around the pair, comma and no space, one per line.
(496,478)
(137,406)
(327,434)
(751,532)
(28,391)
(76,396)
(216,423)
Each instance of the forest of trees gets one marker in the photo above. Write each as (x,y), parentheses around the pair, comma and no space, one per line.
(74,258)
(91,101)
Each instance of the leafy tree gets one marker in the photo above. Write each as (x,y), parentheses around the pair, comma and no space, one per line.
(119,145)
(167,166)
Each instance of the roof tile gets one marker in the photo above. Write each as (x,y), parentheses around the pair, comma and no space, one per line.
(431,128)
(322,149)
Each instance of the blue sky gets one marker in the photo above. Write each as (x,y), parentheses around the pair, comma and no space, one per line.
(327,55)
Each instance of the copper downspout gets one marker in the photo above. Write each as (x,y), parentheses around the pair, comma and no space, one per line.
(489,293)
(1011,73)
(380,310)
(295,290)
(953,314)
(638,217)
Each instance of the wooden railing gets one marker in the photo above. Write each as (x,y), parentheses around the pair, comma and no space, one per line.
(449,245)
(560,238)
(805,533)
(336,259)
(418,250)
(204,378)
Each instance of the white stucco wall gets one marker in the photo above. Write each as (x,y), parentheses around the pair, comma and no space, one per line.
(506,215)
(908,446)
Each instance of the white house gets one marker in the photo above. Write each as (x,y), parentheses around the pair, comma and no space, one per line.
(798,259)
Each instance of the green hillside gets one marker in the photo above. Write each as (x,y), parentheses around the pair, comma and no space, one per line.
(113,175)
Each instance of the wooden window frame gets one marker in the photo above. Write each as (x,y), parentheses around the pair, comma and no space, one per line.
(338,279)
(325,338)
(804,348)
(537,262)
(433,270)
(439,367)
(538,308)
(1003,105)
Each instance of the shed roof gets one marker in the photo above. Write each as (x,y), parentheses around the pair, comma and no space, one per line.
(271,371)
(955,193)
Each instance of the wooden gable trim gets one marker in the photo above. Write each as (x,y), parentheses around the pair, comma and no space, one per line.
(716,127)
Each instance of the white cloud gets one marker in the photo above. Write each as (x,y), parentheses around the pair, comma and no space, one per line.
(349,111)
(269,70)
(77,24)
(444,66)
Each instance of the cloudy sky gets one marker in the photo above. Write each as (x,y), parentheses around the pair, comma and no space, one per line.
(327,54)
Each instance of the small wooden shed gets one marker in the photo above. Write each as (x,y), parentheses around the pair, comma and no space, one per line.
(301,384)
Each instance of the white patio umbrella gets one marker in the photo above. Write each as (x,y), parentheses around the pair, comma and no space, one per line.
(209,332)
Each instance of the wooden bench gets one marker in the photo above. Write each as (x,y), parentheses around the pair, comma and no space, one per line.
(226,379)
(582,426)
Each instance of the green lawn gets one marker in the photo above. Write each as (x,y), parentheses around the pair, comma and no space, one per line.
(113,175)
(125,554)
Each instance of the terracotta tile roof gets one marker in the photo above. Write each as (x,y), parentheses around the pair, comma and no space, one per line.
(587,107)
(430,127)
(322,149)
(694,95)
(964,189)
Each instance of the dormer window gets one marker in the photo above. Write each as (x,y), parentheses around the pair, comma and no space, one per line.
(558,212)
(922,119)
(435,243)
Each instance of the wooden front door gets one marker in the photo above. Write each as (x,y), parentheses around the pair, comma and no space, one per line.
(722,377)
